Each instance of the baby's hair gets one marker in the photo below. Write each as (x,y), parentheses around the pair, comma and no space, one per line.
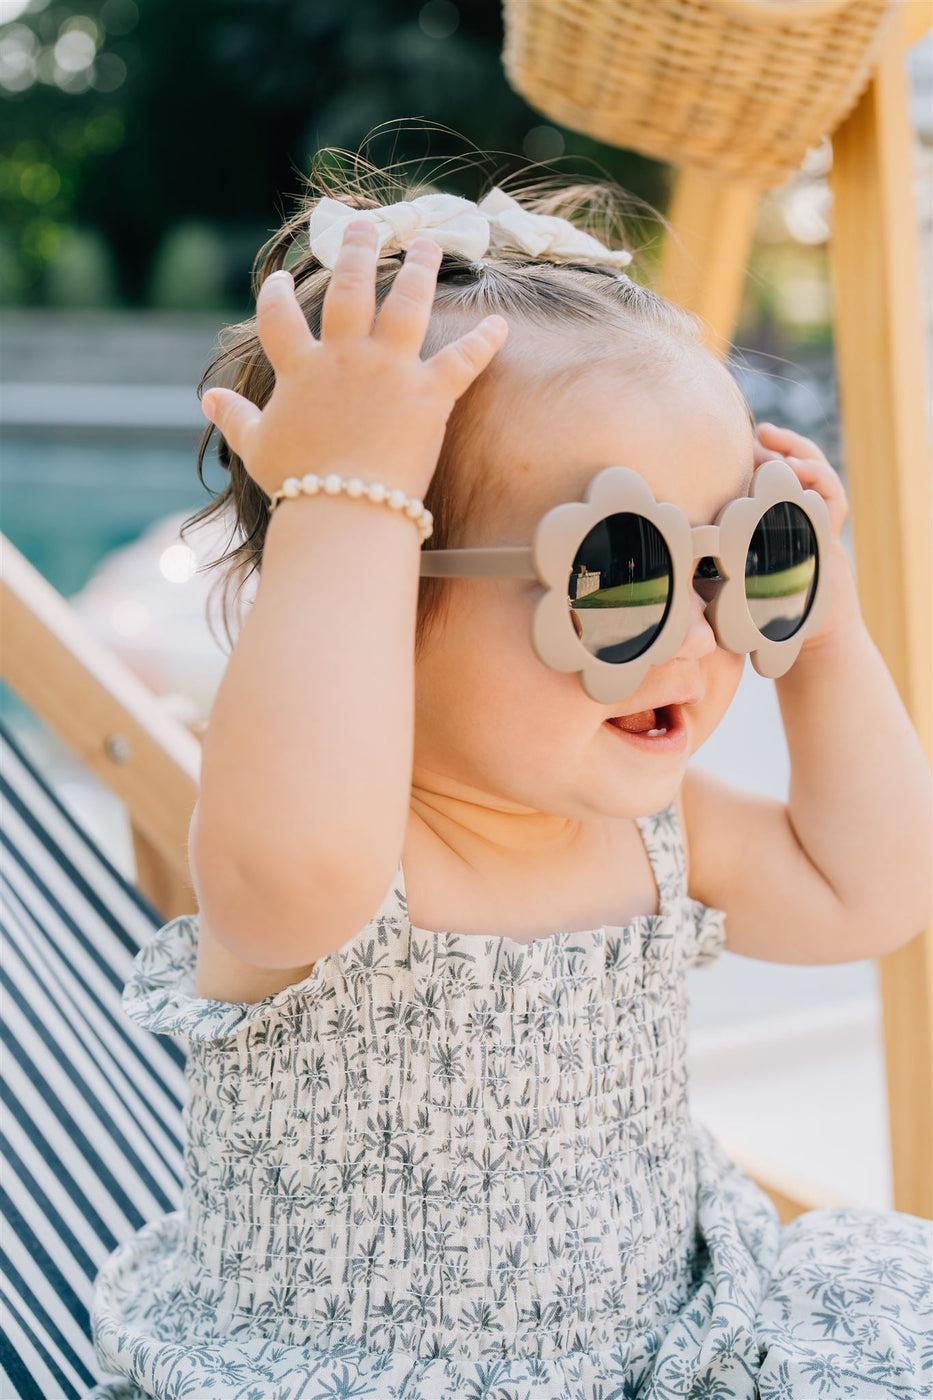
(608,313)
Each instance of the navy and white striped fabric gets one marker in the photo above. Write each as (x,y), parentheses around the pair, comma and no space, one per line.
(92,1129)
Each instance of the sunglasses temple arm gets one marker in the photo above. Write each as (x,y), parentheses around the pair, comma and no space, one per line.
(502,561)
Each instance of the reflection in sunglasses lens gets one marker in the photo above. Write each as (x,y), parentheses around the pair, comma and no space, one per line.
(619,590)
(780,571)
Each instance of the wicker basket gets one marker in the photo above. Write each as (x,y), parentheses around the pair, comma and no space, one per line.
(745,87)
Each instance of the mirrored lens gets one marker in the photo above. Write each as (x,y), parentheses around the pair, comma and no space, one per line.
(620,587)
(781,571)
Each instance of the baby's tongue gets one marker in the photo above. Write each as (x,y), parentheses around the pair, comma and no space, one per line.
(645,719)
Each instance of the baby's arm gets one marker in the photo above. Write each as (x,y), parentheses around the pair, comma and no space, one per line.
(842,869)
(306,763)
(306,768)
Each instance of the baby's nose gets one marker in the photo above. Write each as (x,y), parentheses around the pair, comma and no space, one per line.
(700,639)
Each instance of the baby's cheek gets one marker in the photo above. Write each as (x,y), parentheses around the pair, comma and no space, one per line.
(722,672)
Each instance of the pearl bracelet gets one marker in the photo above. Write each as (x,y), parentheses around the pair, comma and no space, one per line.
(333,485)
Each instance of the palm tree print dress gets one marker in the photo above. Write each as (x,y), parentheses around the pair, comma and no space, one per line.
(445,1165)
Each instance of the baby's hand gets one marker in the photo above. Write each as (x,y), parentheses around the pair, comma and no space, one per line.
(360,401)
(815,473)
(810,464)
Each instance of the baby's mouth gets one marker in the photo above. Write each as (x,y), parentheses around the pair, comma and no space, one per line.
(662,730)
(652,722)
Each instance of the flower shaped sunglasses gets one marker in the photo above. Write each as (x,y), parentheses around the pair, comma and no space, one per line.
(617,570)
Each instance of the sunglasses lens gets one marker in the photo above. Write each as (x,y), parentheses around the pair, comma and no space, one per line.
(781,571)
(620,588)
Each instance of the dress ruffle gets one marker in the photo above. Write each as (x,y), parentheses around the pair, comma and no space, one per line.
(160,993)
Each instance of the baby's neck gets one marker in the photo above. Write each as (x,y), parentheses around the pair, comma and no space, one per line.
(484,829)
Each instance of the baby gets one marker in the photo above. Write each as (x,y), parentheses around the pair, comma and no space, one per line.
(452,859)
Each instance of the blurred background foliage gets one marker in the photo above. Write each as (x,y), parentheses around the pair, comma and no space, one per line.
(152,145)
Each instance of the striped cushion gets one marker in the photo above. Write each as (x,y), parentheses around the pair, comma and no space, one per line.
(91,1104)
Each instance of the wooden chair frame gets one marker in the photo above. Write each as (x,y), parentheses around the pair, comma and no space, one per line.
(95,704)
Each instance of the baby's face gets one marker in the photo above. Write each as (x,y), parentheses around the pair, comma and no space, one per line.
(489,713)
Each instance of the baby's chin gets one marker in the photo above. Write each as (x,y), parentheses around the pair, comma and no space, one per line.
(636,789)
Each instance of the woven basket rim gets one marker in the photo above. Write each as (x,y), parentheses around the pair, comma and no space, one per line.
(784,11)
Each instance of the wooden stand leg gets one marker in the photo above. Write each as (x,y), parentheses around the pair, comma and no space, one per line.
(705,255)
(874,256)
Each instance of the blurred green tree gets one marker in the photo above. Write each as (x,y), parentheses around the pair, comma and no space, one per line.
(139,119)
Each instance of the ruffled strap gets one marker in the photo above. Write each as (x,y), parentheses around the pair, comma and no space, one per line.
(704,926)
(664,844)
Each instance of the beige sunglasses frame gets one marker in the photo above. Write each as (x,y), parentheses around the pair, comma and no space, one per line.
(615,490)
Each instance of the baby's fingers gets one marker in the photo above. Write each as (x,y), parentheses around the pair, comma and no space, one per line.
(459,363)
(350,300)
(406,311)
(786,441)
(280,322)
(816,474)
(235,416)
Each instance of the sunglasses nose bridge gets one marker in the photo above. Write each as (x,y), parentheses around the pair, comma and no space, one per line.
(705,545)
(705,541)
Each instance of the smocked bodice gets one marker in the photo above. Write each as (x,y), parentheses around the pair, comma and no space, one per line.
(444,1144)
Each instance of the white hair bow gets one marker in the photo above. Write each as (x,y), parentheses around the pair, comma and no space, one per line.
(461,226)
